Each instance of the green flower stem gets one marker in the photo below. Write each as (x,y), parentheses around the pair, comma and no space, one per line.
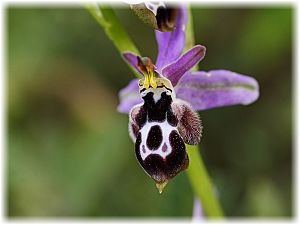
(197,174)
(107,19)
(201,184)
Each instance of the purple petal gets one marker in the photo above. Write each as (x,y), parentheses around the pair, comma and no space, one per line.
(129,97)
(132,60)
(216,88)
(186,62)
(197,210)
(171,44)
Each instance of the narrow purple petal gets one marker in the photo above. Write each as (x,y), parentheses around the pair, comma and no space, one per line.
(217,88)
(132,60)
(171,44)
(129,97)
(197,210)
(186,62)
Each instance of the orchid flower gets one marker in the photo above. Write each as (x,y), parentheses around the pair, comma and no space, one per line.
(170,91)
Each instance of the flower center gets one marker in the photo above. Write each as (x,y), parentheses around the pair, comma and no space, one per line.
(146,66)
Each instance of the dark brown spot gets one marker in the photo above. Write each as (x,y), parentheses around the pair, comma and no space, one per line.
(178,159)
(171,118)
(154,138)
(175,140)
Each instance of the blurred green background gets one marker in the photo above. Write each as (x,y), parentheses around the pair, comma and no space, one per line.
(68,150)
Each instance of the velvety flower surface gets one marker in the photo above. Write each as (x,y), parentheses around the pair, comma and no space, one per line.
(203,90)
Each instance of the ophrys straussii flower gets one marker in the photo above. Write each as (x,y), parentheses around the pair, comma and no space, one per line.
(161,105)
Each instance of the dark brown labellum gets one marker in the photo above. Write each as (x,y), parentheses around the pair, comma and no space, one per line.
(161,127)
(159,147)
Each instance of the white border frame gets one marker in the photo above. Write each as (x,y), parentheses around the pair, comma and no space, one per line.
(226,3)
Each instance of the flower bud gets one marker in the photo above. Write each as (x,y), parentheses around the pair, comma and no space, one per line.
(159,16)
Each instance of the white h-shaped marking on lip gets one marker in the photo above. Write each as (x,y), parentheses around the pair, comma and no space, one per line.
(166,129)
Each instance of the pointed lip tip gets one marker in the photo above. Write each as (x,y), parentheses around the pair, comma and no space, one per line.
(161,186)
